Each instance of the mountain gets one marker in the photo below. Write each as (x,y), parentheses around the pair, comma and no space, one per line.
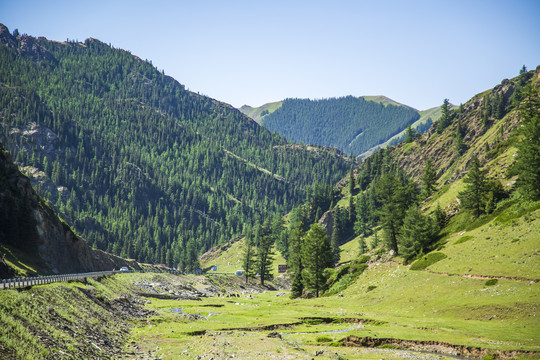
(135,163)
(353,124)
(33,240)
(475,170)
(464,173)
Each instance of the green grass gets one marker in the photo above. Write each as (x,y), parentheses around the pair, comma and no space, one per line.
(256,112)
(402,303)
(48,321)
(493,250)
(452,301)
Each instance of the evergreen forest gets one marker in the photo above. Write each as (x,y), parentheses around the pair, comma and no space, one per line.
(352,124)
(138,165)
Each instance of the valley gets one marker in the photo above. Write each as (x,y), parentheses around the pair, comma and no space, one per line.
(260,242)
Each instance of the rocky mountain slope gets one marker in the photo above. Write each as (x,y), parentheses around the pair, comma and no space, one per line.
(31,233)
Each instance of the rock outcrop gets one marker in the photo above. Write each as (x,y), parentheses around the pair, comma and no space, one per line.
(30,226)
(26,46)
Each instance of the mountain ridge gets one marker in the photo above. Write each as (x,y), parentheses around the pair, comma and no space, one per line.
(142,162)
(320,122)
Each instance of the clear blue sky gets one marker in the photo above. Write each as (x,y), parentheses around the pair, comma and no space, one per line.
(253,52)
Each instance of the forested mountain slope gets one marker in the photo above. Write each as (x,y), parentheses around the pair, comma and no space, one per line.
(465,164)
(137,164)
(477,165)
(32,238)
(352,124)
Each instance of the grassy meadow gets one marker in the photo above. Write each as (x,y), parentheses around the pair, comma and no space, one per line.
(453,301)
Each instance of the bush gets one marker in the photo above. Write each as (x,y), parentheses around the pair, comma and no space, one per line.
(427,260)
(463,239)
(343,282)
(491,282)
(380,252)
(363,259)
(371,287)
(323,339)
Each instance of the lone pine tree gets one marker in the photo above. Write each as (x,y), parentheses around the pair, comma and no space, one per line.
(474,196)
(317,256)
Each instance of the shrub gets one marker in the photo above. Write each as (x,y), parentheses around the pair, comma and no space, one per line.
(491,282)
(371,287)
(323,339)
(363,259)
(427,260)
(463,239)
(344,282)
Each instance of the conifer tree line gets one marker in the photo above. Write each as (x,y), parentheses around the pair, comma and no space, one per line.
(149,170)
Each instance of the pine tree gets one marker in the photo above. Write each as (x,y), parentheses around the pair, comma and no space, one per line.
(264,251)
(527,163)
(417,233)
(317,256)
(352,214)
(429,178)
(474,196)
(395,199)
(445,119)
(337,233)
(375,240)
(295,260)
(362,246)
(362,226)
(439,217)
(410,133)
(249,257)
(459,143)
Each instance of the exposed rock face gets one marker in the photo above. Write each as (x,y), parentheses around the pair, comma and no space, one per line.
(29,47)
(34,135)
(327,222)
(28,224)
(7,38)
(26,46)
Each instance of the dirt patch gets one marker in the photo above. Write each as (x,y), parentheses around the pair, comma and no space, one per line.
(487,277)
(332,320)
(471,352)
(306,320)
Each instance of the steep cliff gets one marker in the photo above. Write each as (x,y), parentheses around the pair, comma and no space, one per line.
(33,238)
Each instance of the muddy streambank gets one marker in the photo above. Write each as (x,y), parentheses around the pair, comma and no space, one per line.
(460,351)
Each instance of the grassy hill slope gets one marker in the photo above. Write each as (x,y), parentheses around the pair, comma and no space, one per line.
(258,113)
